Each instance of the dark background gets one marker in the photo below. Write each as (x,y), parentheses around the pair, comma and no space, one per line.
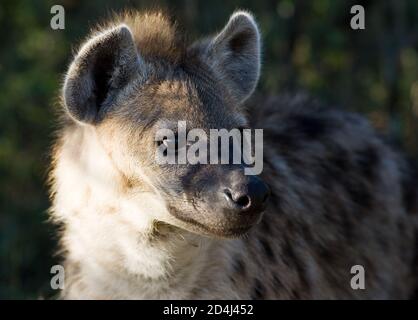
(308,45)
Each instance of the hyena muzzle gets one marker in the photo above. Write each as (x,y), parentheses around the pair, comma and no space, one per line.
(332,194)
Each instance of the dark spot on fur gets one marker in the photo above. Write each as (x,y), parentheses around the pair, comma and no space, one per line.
(129,183)
(306,231)
(267,250)
(275,200)
(326,254)
(239,267)
(288,253)
(286,142)
(277,283)
(368,161)
(362,197)
(360,186)
(259,291)
(410,187)
(310,126)
(359,192)
(265,224)
(295,294)
(340,159)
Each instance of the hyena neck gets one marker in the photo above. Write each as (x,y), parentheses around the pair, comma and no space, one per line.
(113,243)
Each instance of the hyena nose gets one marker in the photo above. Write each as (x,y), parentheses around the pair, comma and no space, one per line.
(248,197)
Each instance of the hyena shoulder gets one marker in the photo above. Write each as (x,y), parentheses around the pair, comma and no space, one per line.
(340,197)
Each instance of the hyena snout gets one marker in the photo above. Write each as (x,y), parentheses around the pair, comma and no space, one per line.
(245,195)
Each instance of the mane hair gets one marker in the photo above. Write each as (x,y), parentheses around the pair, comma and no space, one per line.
(155,34)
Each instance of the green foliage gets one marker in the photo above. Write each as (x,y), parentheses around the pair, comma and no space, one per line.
(308,45)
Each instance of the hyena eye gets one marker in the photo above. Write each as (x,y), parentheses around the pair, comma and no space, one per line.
(171,143)
(165,142)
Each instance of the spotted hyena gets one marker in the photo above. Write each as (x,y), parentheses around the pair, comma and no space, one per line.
(332,194)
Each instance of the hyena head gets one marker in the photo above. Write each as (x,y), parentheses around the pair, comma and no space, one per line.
(134,78)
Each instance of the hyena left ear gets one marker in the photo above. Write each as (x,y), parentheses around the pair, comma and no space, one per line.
(235,54)
(105,64)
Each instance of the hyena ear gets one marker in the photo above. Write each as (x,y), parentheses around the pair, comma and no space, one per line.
(235,53)
(104,65)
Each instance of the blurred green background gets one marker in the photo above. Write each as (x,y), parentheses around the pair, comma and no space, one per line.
(308,45)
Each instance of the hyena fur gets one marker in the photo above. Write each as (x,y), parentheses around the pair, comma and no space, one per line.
(133,229)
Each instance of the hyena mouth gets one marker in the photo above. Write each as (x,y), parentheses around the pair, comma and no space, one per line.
(233,232)
(221,232)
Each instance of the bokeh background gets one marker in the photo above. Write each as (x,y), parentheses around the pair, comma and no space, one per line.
(308,45)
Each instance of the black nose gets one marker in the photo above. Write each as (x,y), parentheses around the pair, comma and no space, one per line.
(248,197)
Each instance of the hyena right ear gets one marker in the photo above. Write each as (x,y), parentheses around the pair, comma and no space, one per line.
(235,53)
(104,65)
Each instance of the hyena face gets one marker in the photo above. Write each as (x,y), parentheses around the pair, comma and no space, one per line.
(127,86)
